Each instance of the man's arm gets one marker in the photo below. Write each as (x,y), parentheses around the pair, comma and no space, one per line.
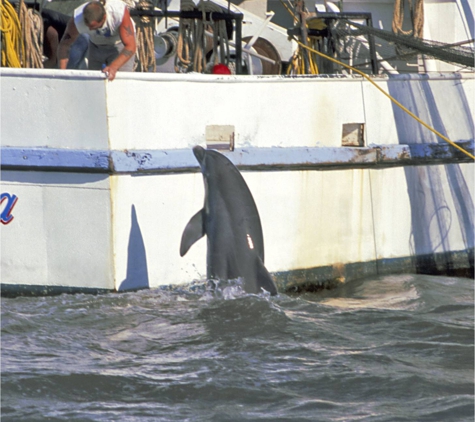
(127,35)
(51,44)
(70,35)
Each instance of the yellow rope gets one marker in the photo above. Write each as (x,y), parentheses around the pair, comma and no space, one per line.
(298,67)
(290,11)
(389,96)
(12,42)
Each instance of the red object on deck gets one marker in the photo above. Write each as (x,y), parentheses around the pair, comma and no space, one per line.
(221,69)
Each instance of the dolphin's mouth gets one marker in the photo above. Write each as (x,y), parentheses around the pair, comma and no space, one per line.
(199,153)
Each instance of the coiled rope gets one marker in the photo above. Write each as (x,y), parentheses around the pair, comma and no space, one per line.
(12,42)
(31,24)
(22,36)
(390,97)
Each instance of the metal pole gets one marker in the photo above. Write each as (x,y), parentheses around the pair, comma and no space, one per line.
(238,17)
(372,47)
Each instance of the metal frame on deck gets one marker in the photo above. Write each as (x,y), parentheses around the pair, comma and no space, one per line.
(197,14)
(327,16)
(369,22)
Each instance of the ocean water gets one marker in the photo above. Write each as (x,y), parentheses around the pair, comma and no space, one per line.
(392,348)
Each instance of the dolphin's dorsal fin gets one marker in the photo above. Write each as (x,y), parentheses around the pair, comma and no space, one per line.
(194,231)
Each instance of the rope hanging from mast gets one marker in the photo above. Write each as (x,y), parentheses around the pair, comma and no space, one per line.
(417,18)
(145,47)
(31,24)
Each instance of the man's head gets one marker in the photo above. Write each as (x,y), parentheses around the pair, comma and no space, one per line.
(94,15)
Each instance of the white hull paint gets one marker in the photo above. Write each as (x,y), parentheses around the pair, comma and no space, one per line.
(106,181)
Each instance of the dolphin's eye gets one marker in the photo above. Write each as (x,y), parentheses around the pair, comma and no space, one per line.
(249,241)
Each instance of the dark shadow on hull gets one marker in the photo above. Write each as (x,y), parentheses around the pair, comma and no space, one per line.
(433,218)
(137,271)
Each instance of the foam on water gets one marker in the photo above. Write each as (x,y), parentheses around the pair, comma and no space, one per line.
(381,293)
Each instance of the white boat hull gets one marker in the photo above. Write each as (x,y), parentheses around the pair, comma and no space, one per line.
(107,182)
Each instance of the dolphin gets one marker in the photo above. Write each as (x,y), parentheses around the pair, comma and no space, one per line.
(230,220)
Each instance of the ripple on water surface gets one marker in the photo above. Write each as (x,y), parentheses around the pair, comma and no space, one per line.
(381,349)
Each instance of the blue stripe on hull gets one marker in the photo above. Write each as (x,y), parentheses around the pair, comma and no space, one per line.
(258,159)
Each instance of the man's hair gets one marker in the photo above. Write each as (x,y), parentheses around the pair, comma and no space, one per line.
(94,12)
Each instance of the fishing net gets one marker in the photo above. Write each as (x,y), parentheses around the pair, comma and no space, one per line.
(364,47)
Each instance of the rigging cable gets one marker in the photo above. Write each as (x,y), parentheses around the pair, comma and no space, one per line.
(389,96)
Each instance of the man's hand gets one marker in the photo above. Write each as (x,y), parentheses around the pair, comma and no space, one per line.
(110,72)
